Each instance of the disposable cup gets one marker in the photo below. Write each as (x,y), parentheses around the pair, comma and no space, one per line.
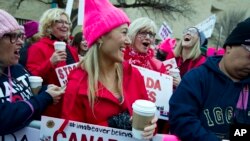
(60,45)
(143,113)
(35,84)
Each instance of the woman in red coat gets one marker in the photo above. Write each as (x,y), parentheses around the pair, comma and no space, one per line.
(188,53)
(42,58)
(102,90)
(142,33)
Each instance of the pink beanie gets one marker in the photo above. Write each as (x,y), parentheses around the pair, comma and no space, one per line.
(7,23)
(100,18)
(167,45)
(31,28)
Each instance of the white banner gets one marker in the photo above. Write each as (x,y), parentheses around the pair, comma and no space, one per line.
(78,131)
(207,26)
(25,134)
(63,72)
(159,88)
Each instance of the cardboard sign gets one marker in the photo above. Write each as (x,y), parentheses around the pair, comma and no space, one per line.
(165,31)
(159,88)
(207,26)
(25,134)
(63,72)
(78,131)
(170,64)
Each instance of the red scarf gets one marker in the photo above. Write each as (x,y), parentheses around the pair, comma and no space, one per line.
(139,59)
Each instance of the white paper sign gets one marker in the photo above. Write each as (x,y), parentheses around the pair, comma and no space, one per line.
(69,7)
(78,131)
(25,134)
(81,9)
(170,64)
(207,26)
(63,72)
(159,88)
(165,31)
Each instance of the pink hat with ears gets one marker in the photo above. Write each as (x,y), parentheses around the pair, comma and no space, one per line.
(167,45)
(101,17)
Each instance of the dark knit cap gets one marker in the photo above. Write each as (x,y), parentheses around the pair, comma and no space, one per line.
(240,34)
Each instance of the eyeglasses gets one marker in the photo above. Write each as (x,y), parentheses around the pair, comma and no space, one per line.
(14,37)
(144,34)
(246,47)
(62,22)
(191,31)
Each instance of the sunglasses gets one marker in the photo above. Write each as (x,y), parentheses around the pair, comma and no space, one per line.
(191,31)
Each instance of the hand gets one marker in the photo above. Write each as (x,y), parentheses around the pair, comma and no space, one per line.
(148,132)
(58,56)
(55,92)
(176,81)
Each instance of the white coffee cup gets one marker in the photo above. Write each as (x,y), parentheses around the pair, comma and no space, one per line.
(59,45)
(174,73)
(143,113)
(35,83)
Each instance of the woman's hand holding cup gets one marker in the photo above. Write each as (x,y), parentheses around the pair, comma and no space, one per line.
(149,131)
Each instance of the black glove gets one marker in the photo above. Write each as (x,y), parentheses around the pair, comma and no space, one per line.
(120,121)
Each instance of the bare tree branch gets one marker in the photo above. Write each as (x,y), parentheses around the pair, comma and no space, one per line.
(168,8)
(19,3)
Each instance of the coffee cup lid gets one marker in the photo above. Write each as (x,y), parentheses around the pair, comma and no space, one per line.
(37,78)
(144,106)
(59,43)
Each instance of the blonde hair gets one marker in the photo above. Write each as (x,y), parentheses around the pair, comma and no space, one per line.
(90,63)
(138,24)
(48,19)
(194,54)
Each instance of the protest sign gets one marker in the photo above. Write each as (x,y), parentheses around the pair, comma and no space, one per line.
(63,72)
(78,131)
(165,31)
(170,64)
(159,88)
(25,134)
(207,26)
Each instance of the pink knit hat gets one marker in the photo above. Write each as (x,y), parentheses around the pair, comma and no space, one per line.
(31,28)
(167,45)
(7,23)
(101,17)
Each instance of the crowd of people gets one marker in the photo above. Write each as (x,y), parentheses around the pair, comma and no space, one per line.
(210,95)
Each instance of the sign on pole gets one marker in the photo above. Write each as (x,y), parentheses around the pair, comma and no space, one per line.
(165,31)
(207,26)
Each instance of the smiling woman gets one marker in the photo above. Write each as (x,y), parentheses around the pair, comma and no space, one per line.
(101,91)
(54,26)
